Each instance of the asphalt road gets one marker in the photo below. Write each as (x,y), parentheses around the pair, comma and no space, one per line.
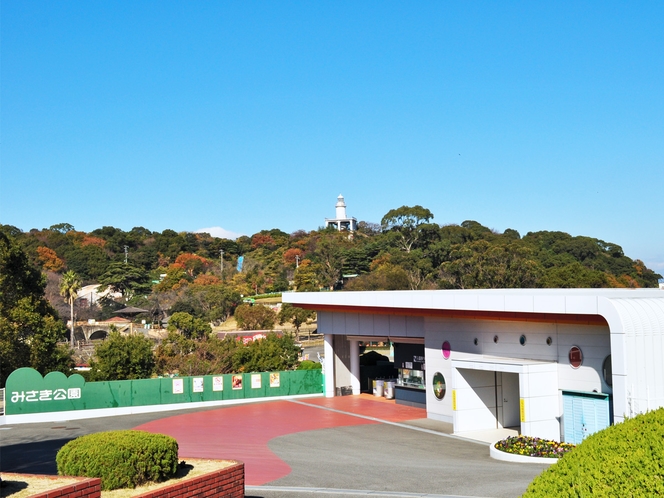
(352,461)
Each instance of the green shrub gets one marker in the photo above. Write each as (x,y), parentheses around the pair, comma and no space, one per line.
(309,365)
(122,459)
(626,459)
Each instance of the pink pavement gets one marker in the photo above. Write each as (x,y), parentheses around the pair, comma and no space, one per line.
(242,432)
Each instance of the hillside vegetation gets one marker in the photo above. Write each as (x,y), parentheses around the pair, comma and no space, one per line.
(180,276)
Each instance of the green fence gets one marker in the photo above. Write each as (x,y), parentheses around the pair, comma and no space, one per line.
(26,391)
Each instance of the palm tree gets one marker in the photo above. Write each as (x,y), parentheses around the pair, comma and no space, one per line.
(70,284)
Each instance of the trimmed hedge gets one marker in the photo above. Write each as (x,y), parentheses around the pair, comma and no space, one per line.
(626,459)
(121,459)
(309,365)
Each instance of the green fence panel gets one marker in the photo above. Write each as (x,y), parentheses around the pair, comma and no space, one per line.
(305,382)
(214,386)
(277,383)
(236,384)
(145,392)
(28,392)
(175,390)
(255,385)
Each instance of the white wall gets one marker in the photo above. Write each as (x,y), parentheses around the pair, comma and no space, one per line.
(594,342)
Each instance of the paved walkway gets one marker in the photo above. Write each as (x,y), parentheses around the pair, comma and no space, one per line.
(243,432)
(353,446)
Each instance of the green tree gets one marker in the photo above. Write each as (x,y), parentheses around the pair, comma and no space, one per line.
(29,326)
(275,352)
(406,223)
(296,316)
(256,317)
(123,357)
(482,265)
(188,326)
(126,279)
(70,284)
(178,354)
(306,279)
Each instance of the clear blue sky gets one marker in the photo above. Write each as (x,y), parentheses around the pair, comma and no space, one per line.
(256,115)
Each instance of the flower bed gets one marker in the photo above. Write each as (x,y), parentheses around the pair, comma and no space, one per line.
(533,447)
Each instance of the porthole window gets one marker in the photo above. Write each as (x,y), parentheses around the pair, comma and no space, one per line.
(439,386)
(475,341)
(522,340)
(447,349)
(575,357)
(607,371)
(495,339)
(549,341)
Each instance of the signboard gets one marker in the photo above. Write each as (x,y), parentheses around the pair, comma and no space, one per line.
(255,381)
(178,386)
(197,384)
(217,384)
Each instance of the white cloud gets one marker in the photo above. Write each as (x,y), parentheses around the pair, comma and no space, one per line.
(219,232)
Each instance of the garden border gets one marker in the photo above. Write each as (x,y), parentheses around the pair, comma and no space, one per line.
(511,457)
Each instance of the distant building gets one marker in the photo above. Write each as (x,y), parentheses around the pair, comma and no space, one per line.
(661,283)
(341,222)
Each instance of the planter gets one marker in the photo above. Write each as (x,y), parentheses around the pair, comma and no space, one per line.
(227,482)
(511,457)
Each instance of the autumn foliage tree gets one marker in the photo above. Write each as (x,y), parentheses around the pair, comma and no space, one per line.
(49,259)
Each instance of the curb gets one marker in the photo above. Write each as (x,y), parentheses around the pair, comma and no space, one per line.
(510,457)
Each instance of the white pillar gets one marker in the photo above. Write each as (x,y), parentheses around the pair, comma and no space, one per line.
(329,366)
(355,366)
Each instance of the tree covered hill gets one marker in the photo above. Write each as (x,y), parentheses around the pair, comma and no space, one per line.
(405,251)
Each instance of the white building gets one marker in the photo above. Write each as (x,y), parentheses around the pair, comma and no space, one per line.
(553,363)
(341,221)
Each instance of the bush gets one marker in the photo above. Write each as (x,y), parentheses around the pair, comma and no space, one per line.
(122,357)
(625,459)
(121,459)
(309,365)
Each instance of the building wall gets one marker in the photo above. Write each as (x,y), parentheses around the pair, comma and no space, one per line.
(594,342)
(370,325)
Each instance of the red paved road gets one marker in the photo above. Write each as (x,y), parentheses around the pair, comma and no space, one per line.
(242,432)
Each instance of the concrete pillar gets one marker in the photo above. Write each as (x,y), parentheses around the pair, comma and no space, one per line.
(329,366)
(355,366)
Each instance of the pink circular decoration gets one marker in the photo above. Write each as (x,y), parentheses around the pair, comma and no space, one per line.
(447,349)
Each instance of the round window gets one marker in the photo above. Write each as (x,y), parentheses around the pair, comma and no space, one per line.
(549,341)
(439,386)
(495,339)
(475,341)
(607,371)
(522,340)
(575,357)
(447,349)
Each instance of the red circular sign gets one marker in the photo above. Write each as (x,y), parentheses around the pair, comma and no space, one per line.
(447,349)
(575,357)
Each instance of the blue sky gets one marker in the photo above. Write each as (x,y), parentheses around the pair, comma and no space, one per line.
(256,115)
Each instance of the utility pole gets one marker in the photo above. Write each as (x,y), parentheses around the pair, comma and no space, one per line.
(125,248)
(221,263)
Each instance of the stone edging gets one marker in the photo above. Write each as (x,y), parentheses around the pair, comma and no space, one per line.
(511,457)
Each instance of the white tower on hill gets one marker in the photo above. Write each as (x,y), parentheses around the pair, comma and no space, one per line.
(342,222)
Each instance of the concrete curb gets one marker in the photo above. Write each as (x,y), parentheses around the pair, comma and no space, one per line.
(510,457)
